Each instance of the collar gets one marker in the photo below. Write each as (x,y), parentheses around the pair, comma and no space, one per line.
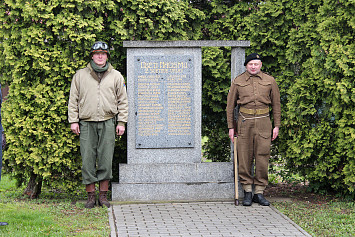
(248,75)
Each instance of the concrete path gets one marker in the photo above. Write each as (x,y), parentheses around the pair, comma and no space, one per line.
(199,219)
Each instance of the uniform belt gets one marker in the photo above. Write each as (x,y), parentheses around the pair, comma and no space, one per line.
(254,111)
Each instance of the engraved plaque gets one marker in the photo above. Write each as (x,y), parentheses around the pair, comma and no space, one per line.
(164,106)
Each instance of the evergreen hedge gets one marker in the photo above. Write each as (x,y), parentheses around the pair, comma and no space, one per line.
(43,43)
(306,45)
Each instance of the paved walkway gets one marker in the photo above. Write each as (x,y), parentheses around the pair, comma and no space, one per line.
(199,219)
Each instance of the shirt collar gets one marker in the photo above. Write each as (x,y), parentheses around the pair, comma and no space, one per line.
(250,75)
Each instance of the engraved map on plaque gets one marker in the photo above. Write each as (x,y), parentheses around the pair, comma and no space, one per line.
(164,101)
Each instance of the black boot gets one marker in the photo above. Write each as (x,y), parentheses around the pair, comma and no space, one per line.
(247,199)
(259,198)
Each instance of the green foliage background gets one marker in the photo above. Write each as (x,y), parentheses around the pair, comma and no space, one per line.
(43,43)
(306,45)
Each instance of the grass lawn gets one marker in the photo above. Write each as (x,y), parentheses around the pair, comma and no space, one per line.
(319,215)
(48,215)
(330,219)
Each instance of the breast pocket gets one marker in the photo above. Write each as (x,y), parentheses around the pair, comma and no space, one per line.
(264,88)
(245,90)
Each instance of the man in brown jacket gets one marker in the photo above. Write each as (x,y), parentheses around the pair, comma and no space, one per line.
(254,92)
(98,100)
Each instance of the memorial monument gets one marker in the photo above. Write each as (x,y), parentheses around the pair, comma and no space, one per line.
(164,86)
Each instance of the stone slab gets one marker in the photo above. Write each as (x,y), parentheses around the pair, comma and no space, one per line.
(164,101)
(172,192)
(177,173)
(175,182)
(171,154)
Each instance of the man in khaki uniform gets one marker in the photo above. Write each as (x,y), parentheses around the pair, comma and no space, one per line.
(254,92)
(98,100)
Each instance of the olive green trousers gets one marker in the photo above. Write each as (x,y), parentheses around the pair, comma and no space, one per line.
(254,142)
(97,143)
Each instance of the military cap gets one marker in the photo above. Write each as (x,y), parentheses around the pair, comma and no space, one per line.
(253,56)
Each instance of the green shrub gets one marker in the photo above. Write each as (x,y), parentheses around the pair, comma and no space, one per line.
(43,43)
(306,45)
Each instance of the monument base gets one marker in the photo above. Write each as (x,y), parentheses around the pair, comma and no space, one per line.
(175,182)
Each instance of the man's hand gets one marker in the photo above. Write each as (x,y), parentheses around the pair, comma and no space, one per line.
(232,134)
(75,128)
(120,130)
(275,133)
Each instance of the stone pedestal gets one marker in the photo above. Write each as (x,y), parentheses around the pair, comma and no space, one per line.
(164,128)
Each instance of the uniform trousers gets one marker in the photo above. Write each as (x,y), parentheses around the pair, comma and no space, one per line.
(97,143)
(254,141)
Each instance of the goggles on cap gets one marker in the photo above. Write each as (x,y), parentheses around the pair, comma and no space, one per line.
(99,45)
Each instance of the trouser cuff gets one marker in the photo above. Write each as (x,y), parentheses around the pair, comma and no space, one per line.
(247,188)
(259,189)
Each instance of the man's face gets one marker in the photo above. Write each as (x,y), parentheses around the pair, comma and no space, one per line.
(254,66)
(100,58)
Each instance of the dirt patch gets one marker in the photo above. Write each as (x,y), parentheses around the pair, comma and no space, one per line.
(299,192)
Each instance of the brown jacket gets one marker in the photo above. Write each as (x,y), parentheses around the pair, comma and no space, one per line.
(254,92)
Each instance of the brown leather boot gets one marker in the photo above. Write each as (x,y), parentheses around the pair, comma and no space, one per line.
(90,188)
(103,193)
(103,199)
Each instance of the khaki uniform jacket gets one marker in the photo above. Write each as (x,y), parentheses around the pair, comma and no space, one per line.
(92,99)
(254,92)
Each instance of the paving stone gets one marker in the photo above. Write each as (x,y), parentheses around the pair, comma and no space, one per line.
(201,219)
